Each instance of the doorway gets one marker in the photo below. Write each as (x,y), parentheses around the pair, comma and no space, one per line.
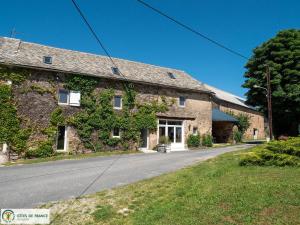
(61,143)
(144,139)
(173,130)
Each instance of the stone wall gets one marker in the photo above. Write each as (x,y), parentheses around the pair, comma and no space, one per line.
(222,132)
(256,118)
(37,98)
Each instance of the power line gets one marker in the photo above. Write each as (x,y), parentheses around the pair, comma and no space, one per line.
(96,36)
(192,30)
(89,185)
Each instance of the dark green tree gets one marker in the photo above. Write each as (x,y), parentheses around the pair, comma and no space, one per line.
(282,55)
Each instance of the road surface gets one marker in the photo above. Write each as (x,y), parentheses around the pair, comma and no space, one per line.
(28,186)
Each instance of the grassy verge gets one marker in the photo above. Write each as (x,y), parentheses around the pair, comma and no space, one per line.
(217,191)
(67,156)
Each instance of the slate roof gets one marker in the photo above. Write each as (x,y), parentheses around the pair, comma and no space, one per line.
(17,52)
(20,53)
(219,116)
(228,97)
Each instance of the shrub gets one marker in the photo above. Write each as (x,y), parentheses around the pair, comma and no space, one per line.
(164,140)
(42,151)
(275,153)
(193,140)
(237,136)
(207,140)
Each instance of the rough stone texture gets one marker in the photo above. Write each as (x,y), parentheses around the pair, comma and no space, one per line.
(35,108)
(74,143)
(222,132)
(256,119)
(196,113)
(17,52)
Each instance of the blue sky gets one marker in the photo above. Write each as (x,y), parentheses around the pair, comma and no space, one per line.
(131,31)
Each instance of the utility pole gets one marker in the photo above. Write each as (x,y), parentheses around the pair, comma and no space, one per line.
(269,99)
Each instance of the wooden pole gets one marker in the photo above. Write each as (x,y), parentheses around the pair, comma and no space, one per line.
(269,99)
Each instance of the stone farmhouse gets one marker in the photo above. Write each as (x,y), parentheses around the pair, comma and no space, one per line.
(197,107)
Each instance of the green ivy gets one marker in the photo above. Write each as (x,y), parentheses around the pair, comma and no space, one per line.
(93,123)
(99,115)
(81,83)
(10,130)
(16,75)
(37,88)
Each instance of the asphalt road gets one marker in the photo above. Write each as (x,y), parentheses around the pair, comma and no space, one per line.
(28,186)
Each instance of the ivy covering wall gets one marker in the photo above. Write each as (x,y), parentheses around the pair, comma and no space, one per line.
(11,132)
(97,119)
(94,121)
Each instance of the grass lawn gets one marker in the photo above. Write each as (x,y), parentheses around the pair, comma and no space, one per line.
(217,191)
(67,156)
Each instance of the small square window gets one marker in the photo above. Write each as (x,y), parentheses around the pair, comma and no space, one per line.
(171,75)
(47,59)
(182,101)
(195,130)
(115,70)
(63,96)
(118,102)
(116,132)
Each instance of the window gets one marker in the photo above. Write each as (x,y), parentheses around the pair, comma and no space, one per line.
(195,130)
(47,59)
(115,70)
(63,97)
(116,132)
(66,97)
(118,102)
(172,130)
(181,101)
(171,75)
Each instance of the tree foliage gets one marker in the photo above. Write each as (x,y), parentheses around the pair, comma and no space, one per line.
(282,55)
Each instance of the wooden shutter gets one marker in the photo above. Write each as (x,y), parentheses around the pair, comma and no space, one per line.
(75,98)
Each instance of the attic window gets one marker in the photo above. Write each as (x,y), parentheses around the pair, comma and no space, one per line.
(171,75)
(115,70)
(47,59)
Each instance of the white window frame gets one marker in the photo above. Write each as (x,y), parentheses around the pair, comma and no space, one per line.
(69,92)
(166,127)
(184,101)
(116,136)
(121,102)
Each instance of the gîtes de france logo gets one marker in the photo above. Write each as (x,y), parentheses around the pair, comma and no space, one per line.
(8,216)
(25,216)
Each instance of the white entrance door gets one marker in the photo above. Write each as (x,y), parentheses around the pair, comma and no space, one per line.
(173,129)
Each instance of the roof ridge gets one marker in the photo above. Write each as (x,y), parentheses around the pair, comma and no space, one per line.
(91,54)
(241,98)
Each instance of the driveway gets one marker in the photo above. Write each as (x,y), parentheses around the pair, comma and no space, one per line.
(28,186)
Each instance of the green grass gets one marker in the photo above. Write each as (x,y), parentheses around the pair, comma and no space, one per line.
(62,156)
(218,191)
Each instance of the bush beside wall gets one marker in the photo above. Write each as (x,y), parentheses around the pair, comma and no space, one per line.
(207,140)
(193,141)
